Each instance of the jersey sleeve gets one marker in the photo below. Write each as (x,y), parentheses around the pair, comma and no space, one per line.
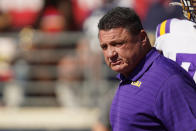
(176,104)
(162,29)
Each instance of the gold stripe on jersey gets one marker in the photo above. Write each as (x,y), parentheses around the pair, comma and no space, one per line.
(162,28)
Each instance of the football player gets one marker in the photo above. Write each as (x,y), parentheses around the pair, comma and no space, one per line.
(176,38)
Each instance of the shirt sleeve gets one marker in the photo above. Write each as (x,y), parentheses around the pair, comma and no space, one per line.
(162,30)
(176,104)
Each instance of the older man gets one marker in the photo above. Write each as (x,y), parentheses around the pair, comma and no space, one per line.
(154,93)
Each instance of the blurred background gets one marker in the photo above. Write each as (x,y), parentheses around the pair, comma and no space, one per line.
(52,73)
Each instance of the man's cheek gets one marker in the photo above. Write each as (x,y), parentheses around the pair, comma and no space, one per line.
(107,62)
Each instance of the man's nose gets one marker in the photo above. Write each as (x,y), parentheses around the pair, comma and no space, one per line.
(111,53)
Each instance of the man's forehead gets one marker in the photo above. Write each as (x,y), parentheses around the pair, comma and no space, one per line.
(109,36)
(114,32)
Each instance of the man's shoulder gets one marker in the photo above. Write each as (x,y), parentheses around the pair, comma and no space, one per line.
(175,36)
(173,26)
(168,26)
(166,64)
(166,68)
(164,71)
(172,76)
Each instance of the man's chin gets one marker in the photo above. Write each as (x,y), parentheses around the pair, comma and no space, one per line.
(118,69)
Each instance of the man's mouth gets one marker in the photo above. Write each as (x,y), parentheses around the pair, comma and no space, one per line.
(116,62)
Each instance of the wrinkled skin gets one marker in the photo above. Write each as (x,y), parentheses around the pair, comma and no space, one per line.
(122,51)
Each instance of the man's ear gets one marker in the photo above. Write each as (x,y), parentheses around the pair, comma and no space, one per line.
(143,37)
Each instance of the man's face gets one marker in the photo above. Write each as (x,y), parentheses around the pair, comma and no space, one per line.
(122,51)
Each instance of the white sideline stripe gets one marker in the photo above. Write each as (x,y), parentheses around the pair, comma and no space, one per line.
(47,118)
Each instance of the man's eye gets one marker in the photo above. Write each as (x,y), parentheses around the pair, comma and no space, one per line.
(119,43)
(104,47)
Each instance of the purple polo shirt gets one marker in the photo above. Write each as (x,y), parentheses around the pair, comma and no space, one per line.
(157,96)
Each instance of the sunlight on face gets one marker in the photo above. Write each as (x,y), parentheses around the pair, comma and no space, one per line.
(121,50)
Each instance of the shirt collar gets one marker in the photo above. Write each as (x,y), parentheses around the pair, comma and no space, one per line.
(142,67)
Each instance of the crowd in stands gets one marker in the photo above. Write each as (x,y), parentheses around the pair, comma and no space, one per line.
(70,15)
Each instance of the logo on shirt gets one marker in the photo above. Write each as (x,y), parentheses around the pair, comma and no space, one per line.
(136,83)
